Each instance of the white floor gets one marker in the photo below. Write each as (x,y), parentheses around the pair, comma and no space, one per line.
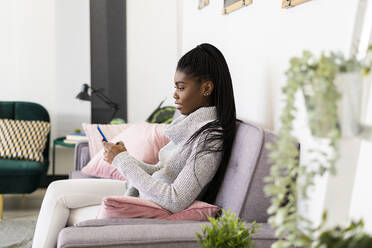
(18,206)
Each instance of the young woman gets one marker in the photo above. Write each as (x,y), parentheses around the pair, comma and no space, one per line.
(190,166)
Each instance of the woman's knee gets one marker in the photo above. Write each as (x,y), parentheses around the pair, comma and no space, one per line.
(56,187)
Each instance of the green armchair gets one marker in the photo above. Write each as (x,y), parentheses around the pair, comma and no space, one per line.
(21,176)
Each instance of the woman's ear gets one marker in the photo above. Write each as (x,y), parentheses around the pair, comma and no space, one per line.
(207,88)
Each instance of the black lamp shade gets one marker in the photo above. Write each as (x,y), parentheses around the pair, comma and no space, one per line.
(83,95)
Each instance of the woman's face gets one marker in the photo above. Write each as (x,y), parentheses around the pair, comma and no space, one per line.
(189,94)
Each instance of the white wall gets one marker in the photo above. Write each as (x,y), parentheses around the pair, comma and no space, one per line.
(44,58)
(152,55)
(258,41)
(28,51)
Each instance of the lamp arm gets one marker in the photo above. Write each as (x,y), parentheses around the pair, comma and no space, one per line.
(104,98)
(113,114)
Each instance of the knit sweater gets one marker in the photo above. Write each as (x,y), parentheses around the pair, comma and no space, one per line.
(178,178)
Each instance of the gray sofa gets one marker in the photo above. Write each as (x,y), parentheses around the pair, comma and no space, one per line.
(241,191)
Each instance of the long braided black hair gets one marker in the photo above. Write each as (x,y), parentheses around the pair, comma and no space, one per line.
(206,63)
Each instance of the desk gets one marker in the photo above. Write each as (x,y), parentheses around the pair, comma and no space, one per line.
(59,142)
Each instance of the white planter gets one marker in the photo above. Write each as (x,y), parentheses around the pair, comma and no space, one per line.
(349,108)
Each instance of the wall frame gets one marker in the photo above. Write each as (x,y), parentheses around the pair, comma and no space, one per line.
(232,5)
(291,3)
(203,3)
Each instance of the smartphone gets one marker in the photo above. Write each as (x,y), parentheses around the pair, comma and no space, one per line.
(103,136)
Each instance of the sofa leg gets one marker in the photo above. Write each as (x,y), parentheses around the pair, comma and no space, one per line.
(1,206)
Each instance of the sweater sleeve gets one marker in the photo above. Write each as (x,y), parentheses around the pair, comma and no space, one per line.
(125,158)
(177,196)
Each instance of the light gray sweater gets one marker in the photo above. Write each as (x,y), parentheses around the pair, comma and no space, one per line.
(175,181)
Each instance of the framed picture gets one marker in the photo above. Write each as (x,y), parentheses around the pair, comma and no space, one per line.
(292,3)
(232,5)
(203,3)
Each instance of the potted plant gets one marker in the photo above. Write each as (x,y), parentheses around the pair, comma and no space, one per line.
(227,231)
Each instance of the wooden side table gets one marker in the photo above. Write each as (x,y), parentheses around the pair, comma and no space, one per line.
(59,142)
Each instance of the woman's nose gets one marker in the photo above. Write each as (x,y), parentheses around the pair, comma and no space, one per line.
(175,96)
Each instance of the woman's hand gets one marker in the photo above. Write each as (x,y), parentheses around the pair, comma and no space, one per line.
(111,150)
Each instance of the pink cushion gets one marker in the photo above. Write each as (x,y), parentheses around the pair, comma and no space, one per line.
(130,207)
(142,140)
(94,137)
(134,207)
(198,211)
(98,167)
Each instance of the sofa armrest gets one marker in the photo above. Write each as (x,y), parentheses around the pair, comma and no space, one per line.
(81,156)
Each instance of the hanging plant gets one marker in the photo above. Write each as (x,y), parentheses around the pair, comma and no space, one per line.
(287,181)
(368,62)
(351,236)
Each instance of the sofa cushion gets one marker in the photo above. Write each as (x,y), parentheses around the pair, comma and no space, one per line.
(24,140)
(19,184)
(98,167)
(20,176)
(135,207)
(130,207)
(26,111)
(79,175)
(143,233)
(20,167)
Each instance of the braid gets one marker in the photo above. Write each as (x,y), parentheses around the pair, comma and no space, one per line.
(206,63)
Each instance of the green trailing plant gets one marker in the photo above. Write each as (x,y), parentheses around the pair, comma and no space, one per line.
(367,67)
(369,48)
(227,231)
(288,180)
(162,114)
(117,121)
(338,237)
